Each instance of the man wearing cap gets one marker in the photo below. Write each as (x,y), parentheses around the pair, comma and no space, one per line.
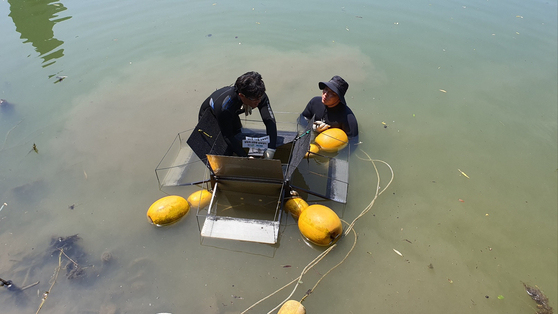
(331,110)
(229,102)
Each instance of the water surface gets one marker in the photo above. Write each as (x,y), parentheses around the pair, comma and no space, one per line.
(460,85)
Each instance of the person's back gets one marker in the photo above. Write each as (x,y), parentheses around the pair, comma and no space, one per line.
(227,103)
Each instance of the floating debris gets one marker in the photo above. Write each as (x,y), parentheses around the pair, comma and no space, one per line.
(74,271)
(463,173)
(60,78)
(106,257)
(34,149)
(538,296)
(397,252)
(65,243)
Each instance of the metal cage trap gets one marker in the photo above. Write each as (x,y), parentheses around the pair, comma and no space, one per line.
(248,193)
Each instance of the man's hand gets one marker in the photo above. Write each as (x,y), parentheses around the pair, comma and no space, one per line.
(269,153)
(320,126)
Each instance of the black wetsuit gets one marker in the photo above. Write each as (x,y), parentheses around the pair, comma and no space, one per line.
(340,116)
(225,105)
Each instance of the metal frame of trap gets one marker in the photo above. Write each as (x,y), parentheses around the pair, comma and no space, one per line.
(248,193)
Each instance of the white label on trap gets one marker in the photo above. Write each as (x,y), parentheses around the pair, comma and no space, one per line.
(257,145)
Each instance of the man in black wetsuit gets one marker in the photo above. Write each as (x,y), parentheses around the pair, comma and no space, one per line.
(229,102)
(331,110)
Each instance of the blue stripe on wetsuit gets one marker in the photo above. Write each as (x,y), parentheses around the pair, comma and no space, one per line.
(226,103)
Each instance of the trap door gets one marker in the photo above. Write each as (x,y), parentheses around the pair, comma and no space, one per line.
(247,199)
(325,175)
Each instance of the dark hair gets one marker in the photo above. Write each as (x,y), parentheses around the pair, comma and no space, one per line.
(250,84)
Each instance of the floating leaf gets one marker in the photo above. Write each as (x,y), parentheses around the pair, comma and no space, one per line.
(500,297)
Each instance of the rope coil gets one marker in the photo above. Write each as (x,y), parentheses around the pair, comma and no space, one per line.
(350,228)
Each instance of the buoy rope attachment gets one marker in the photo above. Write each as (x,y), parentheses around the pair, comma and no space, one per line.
(324,253)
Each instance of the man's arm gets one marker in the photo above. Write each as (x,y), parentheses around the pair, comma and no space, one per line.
(269,120)
(352,124)
(227,124)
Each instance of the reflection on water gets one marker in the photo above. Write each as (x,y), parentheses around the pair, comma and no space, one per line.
(35,21)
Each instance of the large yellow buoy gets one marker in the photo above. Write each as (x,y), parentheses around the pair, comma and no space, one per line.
(167,210)
(292,307)
(332,140)
(320,225)
(200,198)
(314,149)
(295,206)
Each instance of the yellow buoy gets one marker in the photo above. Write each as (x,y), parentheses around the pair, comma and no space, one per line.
(200,198)
(314,148)
(292,307)
(295,206)
(332,140)
(320,225)
(167,210)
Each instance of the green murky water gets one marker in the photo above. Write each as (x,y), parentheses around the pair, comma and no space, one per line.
(460,85)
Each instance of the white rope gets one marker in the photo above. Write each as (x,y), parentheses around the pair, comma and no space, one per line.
(314,262)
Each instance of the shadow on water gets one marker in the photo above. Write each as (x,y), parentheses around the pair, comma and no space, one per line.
(35,21)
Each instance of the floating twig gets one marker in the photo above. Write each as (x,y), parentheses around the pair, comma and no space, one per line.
(54,277)
(463,173)
(60,78)
(31,285)
(71,260)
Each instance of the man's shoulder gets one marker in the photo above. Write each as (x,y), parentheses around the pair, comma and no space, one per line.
(348,109)
(316,102)
(316,99)
(223,90)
